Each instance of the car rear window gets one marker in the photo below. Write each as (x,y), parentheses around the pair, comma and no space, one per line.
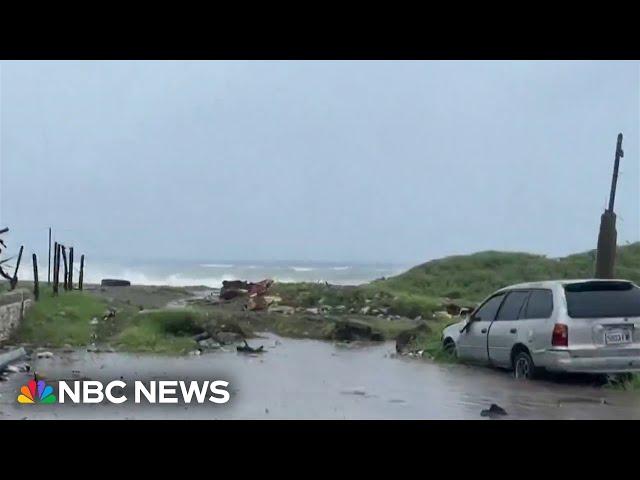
(602,299)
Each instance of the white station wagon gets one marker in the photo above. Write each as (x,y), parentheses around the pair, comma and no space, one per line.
(589,326)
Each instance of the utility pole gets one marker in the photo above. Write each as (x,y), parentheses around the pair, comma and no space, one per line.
(606,254)
(49,268)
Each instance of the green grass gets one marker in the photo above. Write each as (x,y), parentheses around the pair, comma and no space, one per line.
(625,382)
(161,331)
(470,278)
(56,321)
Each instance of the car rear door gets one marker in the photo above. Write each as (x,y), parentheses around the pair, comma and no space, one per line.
(472,343)
(503,332)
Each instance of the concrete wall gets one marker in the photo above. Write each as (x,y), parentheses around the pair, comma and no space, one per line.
(13,306)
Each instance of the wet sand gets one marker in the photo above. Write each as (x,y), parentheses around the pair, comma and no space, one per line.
(307,379)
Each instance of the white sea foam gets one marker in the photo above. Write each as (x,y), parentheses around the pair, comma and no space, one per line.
(170,275)
(302,269)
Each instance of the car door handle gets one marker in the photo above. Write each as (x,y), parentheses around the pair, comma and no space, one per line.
(513,330)
(484,330)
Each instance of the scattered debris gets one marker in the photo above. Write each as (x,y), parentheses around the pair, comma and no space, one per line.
(228,338)
(260,288)
(233,288)
(25,367)
(247,349)
(11,356)
(209,344)
(493,410)
(201,336)
(284,309)
(257,303)
(94,321)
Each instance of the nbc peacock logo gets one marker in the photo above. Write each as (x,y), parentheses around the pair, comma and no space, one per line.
(36,391)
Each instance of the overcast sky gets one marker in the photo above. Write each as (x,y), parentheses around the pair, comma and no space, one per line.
(344,161)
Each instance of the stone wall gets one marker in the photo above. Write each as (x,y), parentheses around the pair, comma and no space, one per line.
(13,306)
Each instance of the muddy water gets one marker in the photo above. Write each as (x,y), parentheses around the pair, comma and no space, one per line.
(304,379)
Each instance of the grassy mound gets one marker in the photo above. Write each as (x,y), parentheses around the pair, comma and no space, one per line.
(161,331)
(473,277)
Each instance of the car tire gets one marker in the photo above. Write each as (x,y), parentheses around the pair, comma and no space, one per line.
(523,366)
(449,346)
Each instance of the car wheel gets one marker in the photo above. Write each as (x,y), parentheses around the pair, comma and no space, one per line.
(523,366)
(450,347)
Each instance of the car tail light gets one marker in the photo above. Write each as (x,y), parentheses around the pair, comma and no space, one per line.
(560,337)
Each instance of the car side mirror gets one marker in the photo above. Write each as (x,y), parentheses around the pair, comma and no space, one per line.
(465,313)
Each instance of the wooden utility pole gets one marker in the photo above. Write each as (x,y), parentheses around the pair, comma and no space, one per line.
(14,280)
(36,289)
(81,277)
(70,282)
(606,254)
(66,268)
(49,268)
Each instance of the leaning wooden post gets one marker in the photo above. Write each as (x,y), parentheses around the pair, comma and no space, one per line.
(14,280)
(66,269)
(81,277)
(70,282)
(36,289)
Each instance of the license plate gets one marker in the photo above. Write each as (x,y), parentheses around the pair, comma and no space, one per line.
(615,337)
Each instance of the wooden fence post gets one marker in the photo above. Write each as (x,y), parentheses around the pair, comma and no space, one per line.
(70,283)
(81,277)
(14,280)
(36,289)
(66,269)
(56,267)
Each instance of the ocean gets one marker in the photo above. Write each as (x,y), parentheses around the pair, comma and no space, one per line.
(212,273)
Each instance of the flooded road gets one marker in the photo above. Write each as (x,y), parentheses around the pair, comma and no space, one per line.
(306,379)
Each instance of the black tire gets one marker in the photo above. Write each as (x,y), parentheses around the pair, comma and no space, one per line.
(449,347)
(523,366)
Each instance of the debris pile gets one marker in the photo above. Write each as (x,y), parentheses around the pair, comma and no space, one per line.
(258,299)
